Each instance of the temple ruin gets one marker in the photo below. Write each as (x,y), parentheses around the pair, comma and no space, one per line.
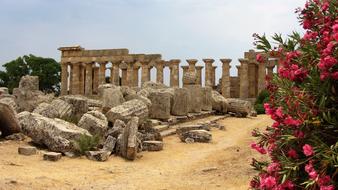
(82,71)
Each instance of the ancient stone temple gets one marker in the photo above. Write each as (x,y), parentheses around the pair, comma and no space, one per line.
(82,71)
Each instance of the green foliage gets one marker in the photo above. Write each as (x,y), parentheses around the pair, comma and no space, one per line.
(47,69)
(87,143)
(262,98)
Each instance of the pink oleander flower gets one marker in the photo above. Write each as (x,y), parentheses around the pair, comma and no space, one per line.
(325,180)
(292,154)
(279,112)
(273,167)
(335,75)
(292,122)
(308,150)
(258,148)
(268,182)
(259,58)
(330,187)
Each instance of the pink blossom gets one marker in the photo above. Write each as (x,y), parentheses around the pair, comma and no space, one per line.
(268,182)
(324,180)
(273,167)
(330,187)
(292,154)
(275,124)
(325,6)
(335,75)
(335,28)
(292,122)
(310,170)
(288,185)
(308,150)
(258,148)
(279,112)
(259,58)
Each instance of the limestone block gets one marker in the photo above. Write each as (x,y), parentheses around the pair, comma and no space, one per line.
(102,87)
(3,90)
(160,105)
(195,98)
(116,130)
(126,90)
(152,145)
(109,144)
(9,101)
(46,110)
(189,78)
(100,155)
(197,136)
(128,110)
(207,99)
(239,106)
(95,122)
(180,102)
(52,156)
(219,103)
(144,99)
(128,141)
(27,150)
(29,83)
(111,97)
(58,135)
(9,124)
(79,104)
(64,109)
(153,85)
(28,100)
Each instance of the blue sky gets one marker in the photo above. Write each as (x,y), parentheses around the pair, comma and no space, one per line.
(175,28)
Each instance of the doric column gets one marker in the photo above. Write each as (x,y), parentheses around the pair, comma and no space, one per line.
(89,79)
(225,88)
(124,77)
(64,79)
(192,63)
(199,75)
(213,75)
(208,68)
(82,78)
(174,72)
(185,70)
(115,73)
(159,71)
(129,74)
(261,75)
(96,73)
(76,78)
(102,75)
(243,81)
(270,66)
(145,77)
(135,76)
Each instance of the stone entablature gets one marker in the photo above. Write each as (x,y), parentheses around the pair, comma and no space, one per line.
(82,71)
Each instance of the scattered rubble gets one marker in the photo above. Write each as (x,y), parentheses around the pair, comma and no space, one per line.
(100,155)
(52,156)
(27,150)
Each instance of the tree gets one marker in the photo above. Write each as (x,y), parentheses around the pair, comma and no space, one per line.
(302,143)
(47,69)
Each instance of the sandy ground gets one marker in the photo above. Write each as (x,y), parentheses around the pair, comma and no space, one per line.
(178,166)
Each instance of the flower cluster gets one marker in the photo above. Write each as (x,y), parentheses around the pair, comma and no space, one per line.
(302,143)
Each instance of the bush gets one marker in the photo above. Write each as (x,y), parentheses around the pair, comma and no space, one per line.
(87,143)
(302,143)
(262,98)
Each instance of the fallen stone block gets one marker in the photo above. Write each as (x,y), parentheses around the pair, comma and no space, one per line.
(16,137)
(3,90)
(111,97)
(100,155)
(109,144)
(128,141)
(27,150)
(95,122)
(180,102)
(186,128)
(219,103)
(116,130)
(129,109)
(52,156)
(79,104)
(46,110)
(9,101)
(64,109)
(9,123)
(58,135)
(238,106)
(197,135)
(160,105)
(152,145)
(195,98)
(153,85)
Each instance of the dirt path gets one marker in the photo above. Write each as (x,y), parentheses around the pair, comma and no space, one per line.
(178,166)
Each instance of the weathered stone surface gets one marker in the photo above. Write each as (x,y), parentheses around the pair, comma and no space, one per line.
(180,102)
(160,105)
(102,87)
(111,97)
(46,110)
(128,140)
(239,106)
(95,122)
(94,103)
(195,98)
(127,110)
(144,99)
(9,124)
(16,137)
(153,85)
(109,144)
(127,91)
(145,92)
(29,83)
(79,104)
(186,128)
(27,150)
(64,109)
(100,155)
(52,156)
(219,103)
(3,90)
(189,78)
(197,135)
(253,113)
(28,100)
(116,130)
(9,101)
(206,99)
(152,145)
(58,135)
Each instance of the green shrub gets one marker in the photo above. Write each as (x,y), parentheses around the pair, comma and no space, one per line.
(87,143)
(262,98)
